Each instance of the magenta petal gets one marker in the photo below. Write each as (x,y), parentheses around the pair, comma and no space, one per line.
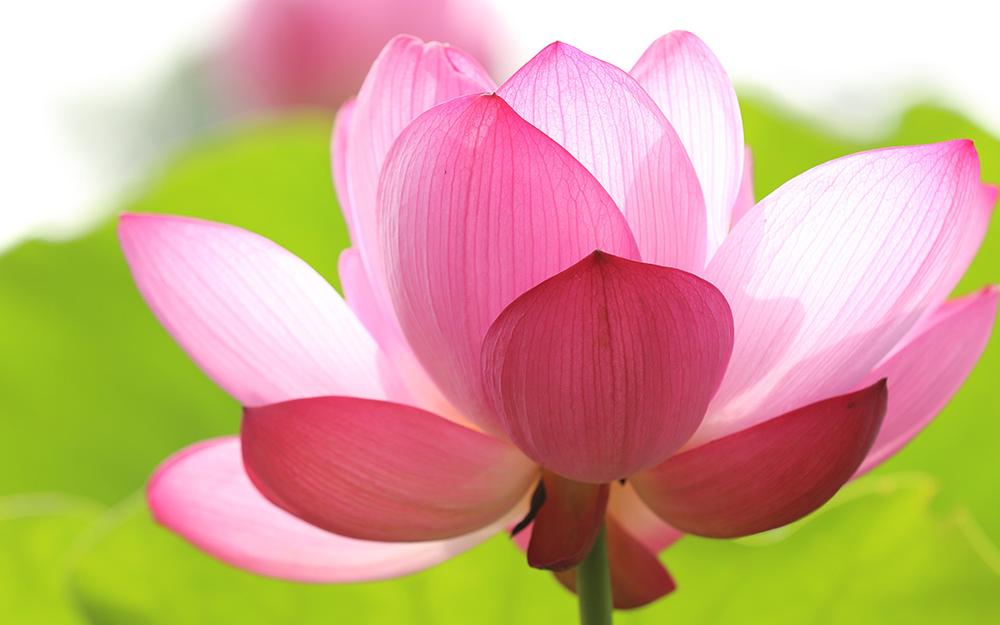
(929,366)
(478,206)
(258,320)
(607,368)
(377,470)
(828,273)
(203,494)
(768,475)
(689,84)
(605,119)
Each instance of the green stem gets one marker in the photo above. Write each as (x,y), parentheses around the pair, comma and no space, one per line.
(593,584)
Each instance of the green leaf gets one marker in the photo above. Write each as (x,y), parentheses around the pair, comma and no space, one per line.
(95,392)
(38,538)
(878,550)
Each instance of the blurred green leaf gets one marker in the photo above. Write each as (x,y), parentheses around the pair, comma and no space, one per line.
(38,536)
(877,551)
(95,392)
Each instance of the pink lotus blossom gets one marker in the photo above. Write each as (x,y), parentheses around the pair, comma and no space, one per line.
(314,53)
(560,290)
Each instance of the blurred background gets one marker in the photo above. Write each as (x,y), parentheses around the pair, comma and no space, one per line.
(222,109)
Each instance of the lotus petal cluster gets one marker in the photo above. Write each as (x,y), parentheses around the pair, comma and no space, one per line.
(563,310)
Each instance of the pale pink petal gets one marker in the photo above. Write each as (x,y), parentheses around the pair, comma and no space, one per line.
(338,159)
(745,198)
(975,225)
(636,517)
(477,207)
(928,367)
(606,369)
(408,77)
(203,494)
(688,82)
(258,320)
(377,470)
(605,119)
(768,475)
(829,272)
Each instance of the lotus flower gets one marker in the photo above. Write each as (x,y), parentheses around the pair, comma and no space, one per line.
(314,53)
(563,310)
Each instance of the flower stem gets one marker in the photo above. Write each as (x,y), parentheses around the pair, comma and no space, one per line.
(593,584)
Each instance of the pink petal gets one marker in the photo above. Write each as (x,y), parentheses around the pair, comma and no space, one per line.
(567,523)
(605,119)
(257,319)
(607,368)
(637,576)
(929,366)
(745,198)
(377,470)
(479,206)
(768,475)
(338,158)
(203,494)
(400,367)
(688,83)
(408,77)
(829,272)
(638,520)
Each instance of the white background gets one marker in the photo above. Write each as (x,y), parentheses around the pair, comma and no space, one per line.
(848,62)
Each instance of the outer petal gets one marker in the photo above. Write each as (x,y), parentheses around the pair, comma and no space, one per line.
(203,494)
(479,206)
(745,198)
(769,475)
(607,368)
(927,369)
(830,271)
(637,576)
(381,471)
(408,77)
(688,82)
(257,319)
(338,158)
(567,524)
(605,119)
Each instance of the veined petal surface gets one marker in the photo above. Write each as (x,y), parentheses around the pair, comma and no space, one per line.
(478,206)
(257,319)
(203,494)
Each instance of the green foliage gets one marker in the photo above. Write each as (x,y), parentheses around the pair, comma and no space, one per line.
(96,394)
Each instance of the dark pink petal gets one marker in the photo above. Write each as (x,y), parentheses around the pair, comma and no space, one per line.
(478,206)
(567,523)
(929,366)
(688,83)
(637,576)
(606,368)
(258,320)
(203,494)
(377,470)
(605,119)
(829,272)
(768,475)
